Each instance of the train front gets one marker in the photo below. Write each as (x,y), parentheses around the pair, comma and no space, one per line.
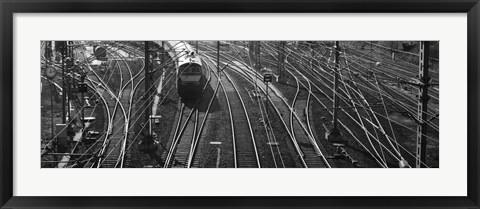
(190,79)
(100,53)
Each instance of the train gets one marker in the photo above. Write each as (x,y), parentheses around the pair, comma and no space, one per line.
(190,70)
(100,53)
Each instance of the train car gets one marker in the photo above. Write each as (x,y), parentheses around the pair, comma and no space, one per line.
(190,71)
(100,53)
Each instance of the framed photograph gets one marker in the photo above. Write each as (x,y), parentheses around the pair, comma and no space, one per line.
(265,104)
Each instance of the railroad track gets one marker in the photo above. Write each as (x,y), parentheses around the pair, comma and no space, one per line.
(279,154)
(314,156)
(244,145)
(116,130)
(300,107)
(367,132)
(127,93)
(168,80)
(189,127)
(251,77)
(317,98)
(312,87)
(390,73)
(392,96)
(134,116)
(296,72)
(93,147)
(248,73)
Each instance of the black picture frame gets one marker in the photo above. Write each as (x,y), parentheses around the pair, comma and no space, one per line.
(9,7)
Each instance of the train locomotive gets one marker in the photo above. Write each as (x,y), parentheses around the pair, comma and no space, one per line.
(190,71)
(100,53)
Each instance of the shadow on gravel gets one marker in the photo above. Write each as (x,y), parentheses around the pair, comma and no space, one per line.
(204,101)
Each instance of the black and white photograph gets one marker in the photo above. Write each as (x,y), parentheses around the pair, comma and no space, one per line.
(239,104)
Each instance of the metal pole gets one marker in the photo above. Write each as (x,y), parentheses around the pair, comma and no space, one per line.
(335,84)
(69,92)
(147,84)
(422,103)
(218,58)
(281,58)
(64,93)
(163,56)
(150,126)
(259,57)
(48,50)
(254,49)
(266,105)
(250,49)
(69,81)
(334,135)
(311,50)
(51,107)
(196,47)
(70,47)
(83,111)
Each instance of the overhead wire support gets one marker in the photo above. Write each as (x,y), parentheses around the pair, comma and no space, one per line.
(64,95)
(281,58)
(163,55)
(218,58)
(333,135)
(422,103)
(258,54)
(147,82)
(147,144)
(335,84)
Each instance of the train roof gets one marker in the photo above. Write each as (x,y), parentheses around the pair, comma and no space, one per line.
(184,53)
(189,58)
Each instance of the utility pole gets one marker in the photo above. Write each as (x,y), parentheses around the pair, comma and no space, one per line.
(62,48)
(335,85)
(82,87)
(267,78)
(334,135)
(70,44)
(281,58)
(48,50)
(147,145)
(218,58)
(51,106)
(68,65)
(258,57)
(51,112)
(163,55)
(196,47)
(266,104)
(147,83)
(251,49)
(422,103)
(312,52)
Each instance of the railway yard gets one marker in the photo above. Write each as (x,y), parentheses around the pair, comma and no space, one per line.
(239,104)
